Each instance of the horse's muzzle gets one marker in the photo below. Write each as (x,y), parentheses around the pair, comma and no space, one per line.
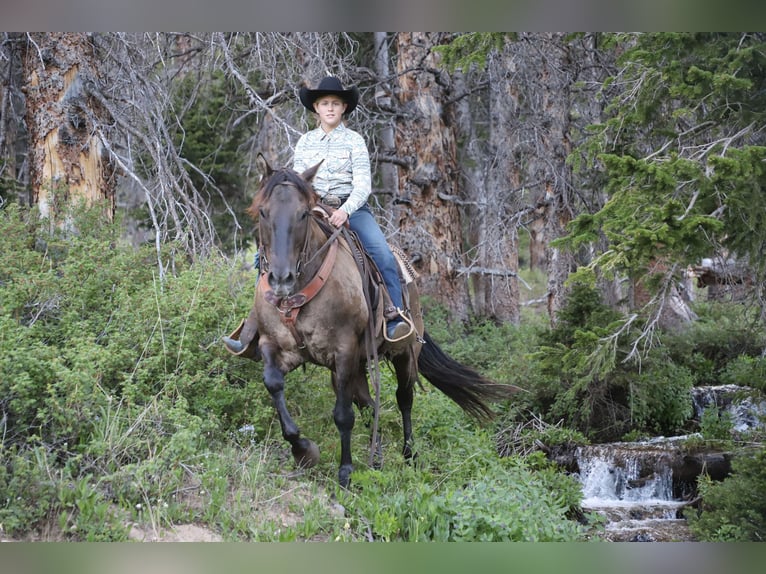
(283,284)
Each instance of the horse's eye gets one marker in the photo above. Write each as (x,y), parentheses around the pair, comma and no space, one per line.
(304,215)
(262,213)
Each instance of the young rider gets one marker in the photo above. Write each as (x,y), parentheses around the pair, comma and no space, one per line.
(343,180)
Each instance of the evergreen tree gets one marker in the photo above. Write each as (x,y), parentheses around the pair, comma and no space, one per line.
(683,150)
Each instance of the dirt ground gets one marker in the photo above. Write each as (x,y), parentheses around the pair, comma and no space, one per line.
(179,533)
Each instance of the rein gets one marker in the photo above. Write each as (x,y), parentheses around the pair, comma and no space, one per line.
(373,362)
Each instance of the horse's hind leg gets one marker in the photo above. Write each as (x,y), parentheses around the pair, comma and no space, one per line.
(305,451)
(406,377)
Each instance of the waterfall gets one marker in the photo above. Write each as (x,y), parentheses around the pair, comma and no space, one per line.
(631,485)
(630,472)
(745,407)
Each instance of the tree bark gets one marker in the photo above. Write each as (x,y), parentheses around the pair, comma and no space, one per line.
(68,162)
(428,219)
(471,112)
(497,295)
(389,180)
(13,137)
(540,75)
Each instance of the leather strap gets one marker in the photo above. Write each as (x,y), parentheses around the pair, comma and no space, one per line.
(290,306)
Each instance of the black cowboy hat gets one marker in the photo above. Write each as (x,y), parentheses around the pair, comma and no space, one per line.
(330,85)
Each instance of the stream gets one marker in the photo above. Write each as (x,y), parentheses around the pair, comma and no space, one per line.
(641,488)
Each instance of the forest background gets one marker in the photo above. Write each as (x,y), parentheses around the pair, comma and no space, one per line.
(585,212)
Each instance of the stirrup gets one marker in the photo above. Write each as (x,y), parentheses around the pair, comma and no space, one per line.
(234,346)
(249,351)
(405,320)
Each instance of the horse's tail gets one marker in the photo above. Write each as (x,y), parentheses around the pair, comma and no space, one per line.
(470,390)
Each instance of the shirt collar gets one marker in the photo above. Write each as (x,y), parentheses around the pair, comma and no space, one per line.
(336,132)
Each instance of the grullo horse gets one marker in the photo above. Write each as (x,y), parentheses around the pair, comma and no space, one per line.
(314,305)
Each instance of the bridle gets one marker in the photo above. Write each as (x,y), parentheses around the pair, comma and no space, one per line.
(290,306)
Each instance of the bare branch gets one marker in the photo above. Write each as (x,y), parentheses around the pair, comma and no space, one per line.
(486,271)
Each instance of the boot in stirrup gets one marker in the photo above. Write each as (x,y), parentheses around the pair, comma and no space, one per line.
(399,331)
(243,341)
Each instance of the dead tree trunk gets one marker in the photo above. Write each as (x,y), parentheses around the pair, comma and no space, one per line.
(496,288)
(389,180)
(540,76)
(67,161)
(13,136)
(428,218)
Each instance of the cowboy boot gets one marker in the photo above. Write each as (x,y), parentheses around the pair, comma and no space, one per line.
(400,332)
(243,341)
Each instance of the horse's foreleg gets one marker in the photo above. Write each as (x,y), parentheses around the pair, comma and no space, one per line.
(344,417)
(305,451)
(406,376)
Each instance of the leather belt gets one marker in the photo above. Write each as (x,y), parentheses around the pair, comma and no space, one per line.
(334,200)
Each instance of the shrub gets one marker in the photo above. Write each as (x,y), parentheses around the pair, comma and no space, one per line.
(733,509)
(745,371)
(109,369)
(722,335)
(716,425)
(660,396)
(580,379)
(510,502)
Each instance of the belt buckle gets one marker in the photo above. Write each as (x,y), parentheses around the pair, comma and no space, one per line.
(331,200)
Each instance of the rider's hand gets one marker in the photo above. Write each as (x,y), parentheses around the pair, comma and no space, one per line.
(338,218)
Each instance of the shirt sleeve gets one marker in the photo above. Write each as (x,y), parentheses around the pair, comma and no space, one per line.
(361,175)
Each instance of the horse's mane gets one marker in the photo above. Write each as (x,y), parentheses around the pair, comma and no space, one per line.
(280,176)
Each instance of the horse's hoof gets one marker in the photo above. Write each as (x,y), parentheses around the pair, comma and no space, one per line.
(306,453)
(344,475)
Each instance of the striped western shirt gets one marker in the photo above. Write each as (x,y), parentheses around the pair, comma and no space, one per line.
(346,167)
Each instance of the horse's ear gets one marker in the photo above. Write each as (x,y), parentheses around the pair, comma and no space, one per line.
(309,174)
(263,166)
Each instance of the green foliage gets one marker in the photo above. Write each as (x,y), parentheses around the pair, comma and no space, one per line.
(720,346)
(682,162)
(471,49)
(745,371)
(86,515)
(715,425)
(29,493)
(644,220)
(733,509)
(36,488)
(575,381)
(499,351)
(109,368)
(583,382)
(86,320)
(473,495)
(660,396)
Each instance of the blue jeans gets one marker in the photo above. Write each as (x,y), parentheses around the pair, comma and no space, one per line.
(363,223)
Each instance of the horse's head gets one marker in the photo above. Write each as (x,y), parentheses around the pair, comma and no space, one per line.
(282,207)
